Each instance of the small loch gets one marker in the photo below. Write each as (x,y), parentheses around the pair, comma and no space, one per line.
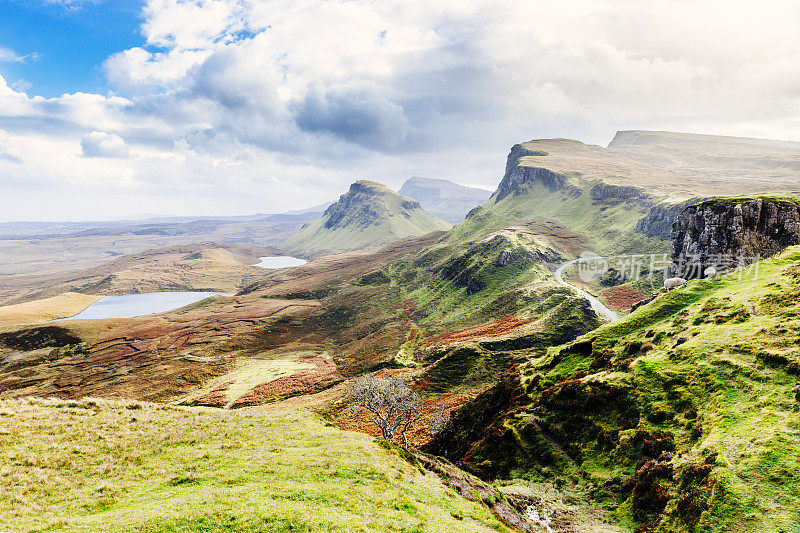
(132,305)
(280,261)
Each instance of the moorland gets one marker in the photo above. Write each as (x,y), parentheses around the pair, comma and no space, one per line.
(540,414)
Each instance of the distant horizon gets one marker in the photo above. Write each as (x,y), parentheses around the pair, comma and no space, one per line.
(136,217)
(140,217)
(111,108)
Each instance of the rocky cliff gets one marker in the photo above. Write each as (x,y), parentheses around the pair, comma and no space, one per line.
(517,174)
(730,232)
(525,167)
(658,221)
(369,214)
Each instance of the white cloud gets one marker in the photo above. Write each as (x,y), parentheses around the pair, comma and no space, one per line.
(21,85)
(292,99)
(101,144)
(7,55)
(72,5)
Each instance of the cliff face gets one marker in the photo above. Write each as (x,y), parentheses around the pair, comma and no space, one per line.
(658,221)
(604,193)
(369,214)
(517,176)
(726,233)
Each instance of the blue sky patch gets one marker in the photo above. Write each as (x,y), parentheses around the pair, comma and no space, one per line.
(64,48)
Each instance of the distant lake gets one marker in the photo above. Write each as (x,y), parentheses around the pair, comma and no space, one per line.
(9,241)
(131,305)
(280,261)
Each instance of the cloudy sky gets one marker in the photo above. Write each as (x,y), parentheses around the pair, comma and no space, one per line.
(113,108)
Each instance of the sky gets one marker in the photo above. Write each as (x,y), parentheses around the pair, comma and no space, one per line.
(115,108)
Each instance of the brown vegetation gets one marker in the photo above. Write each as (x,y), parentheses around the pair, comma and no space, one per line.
(622,296)
(501,326)
(323,375)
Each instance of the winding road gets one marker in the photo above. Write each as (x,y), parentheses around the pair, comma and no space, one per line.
(596,304)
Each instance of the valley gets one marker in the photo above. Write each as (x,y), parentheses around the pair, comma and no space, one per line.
(555,398)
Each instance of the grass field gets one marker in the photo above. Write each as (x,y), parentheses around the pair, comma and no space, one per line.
(114,466)
(683,416)
(45,310)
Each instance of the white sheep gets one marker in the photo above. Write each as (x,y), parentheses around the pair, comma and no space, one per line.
(674,283)
(710,272)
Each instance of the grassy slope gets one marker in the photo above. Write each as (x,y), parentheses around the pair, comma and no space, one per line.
(609,226)
(707,372)
(43,311)
(448,295)
(720,379)
(108,466)
(456,300)
(390,224)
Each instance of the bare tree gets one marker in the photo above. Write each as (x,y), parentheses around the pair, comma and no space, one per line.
(390,404)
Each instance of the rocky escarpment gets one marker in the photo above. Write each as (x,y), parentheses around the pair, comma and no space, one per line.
(658,216)
(603,192)
(731,232)
(358,207)
(517,175)
(518,151)
(368,214)
(659,220)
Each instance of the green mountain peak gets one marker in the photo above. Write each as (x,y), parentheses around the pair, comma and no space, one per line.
(368,214)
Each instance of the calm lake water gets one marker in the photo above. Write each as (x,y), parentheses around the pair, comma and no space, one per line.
(280,261)
(131,305)
(11,241)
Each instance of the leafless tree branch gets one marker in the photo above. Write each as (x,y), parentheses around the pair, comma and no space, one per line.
(389,403)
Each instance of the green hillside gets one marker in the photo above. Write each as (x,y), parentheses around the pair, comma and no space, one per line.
(501,257)
(608,222)
(96,465)
(682,416)
(369,214)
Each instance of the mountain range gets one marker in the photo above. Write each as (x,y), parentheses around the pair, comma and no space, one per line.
(681,415)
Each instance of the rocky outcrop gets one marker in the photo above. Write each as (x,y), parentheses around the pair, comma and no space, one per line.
(355,207)
(659,220)
(604,193)
(518,151)
(517,176)
(369,214)
(732,232)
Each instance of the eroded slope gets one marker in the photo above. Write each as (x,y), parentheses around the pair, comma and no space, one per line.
(682,416)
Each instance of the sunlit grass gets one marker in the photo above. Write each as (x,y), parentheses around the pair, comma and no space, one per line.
(112,466)
(717,375)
